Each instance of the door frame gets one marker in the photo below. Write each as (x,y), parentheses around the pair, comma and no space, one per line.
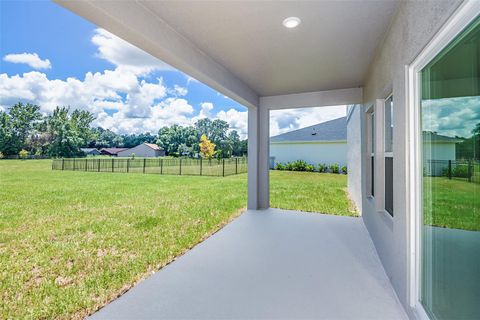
(459,20)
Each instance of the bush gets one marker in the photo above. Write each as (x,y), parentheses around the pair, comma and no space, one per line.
(334,168)
(132,156)
(322,167)
(279,166)
(300,165)
(460,171)
(310,168)
(1,155)
(23,154)
(344,170)
(289,166)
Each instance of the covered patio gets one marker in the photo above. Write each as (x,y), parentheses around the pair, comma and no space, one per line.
(269,264)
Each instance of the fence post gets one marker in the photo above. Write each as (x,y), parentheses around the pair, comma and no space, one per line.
(144,163)
(63,164)
(180,166)
(74,164)
(86,164)
(98,165)
(128,164)
(223,167)
(161,166)
(113,165)
(201,166)
(449,169)
(236,165)
(470,173)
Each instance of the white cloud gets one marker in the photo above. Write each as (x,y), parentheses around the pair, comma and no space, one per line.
(32,59)
(125,55)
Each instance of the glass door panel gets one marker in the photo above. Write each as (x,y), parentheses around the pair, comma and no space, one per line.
(450,235)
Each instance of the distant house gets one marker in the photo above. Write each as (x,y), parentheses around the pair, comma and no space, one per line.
(437,150)
(144,150)
(325,142)
(111,151)
(90,151)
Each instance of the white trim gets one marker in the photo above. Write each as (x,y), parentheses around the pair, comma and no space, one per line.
(462,17)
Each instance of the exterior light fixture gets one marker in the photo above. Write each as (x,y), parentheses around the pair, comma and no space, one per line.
(291,22)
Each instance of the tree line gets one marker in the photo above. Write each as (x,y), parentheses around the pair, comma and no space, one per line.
(63,132)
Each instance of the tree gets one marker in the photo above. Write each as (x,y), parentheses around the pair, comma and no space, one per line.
(207,148)
(178,141)
(68,132)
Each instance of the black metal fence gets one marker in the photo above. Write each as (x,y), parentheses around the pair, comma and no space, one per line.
(468,170)
(195,167)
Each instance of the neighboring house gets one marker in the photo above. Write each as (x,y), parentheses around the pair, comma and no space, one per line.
(325,142)
(90,151)
(438,150)
(111,151)
(144,150)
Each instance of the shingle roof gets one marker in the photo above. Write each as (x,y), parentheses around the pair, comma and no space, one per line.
(153,146)
(88,149)
(435,137)
(333,130)
(113,150)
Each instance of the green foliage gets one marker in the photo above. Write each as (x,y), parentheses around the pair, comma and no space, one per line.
(344,170)
(334,168)
(68,132)
(322,167)
(279,166)
(132,156)
(1,155)
(23,154)
(460,171)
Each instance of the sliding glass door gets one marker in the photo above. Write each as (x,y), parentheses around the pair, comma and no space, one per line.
(450,229)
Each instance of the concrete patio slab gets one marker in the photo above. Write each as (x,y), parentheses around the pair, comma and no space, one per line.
(269,264)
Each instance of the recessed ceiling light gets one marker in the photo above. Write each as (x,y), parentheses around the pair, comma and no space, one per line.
(291,22)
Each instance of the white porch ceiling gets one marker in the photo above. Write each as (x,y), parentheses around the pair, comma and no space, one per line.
(241,47)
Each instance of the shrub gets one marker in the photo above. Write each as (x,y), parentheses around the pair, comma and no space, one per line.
(344,170)
(322,167)
(460,171)
(23,154)
(132,156)
(279,166)
(289,166)
(300,165)
(1,155)
(310,168)
(335,168)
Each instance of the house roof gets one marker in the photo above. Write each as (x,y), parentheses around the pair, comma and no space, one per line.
(333,130)
(434,137)
(113,150)
(88,149)
(153,146)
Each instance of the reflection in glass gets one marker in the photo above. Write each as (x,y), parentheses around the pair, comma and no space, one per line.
(450,119)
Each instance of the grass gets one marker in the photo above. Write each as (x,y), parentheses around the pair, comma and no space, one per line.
(452,203)
(72,241)
(314,192)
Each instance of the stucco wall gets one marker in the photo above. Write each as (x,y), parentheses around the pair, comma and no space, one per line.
(412,28)
(313,153)
(354,154)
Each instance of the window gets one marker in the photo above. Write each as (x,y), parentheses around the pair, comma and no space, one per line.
(388,151)
(371,152)
(450,179)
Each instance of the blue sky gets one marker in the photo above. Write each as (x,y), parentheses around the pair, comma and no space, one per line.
(50,56)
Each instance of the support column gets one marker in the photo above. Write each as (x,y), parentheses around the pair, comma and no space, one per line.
(258,153)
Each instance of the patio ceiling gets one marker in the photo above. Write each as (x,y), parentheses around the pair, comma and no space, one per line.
(242,49)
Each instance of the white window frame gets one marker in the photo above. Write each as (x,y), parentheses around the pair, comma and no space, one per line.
(371,148)
(385,154)
(461,18)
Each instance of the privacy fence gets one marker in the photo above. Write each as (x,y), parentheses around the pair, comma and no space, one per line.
(195,167)
(468,170)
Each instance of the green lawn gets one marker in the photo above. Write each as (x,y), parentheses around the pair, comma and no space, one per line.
(72,241)
(456,203)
